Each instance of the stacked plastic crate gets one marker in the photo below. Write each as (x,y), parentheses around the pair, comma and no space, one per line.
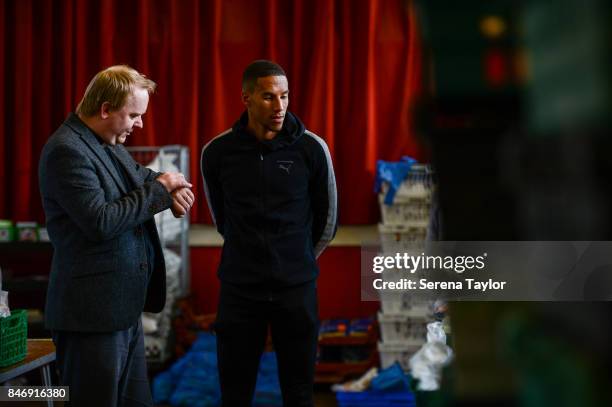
(403,318)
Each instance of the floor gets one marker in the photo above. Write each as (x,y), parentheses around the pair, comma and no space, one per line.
(322,399)
(325,399)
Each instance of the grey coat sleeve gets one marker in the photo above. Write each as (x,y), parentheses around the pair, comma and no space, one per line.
(146,173)
(143,172)
(323,197)
(76,186)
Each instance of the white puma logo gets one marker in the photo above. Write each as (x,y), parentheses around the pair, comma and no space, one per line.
(285,165)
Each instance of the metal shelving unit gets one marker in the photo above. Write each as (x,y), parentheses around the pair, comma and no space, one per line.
(174,237)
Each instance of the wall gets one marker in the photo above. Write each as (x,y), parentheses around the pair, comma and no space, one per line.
(339,282)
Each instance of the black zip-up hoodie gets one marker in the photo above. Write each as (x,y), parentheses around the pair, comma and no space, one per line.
(273,201)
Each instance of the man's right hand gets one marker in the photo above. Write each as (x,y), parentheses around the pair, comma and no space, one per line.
(173,180)
(182,202)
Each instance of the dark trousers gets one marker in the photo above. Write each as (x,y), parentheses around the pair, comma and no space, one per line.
(104,369)
(243,318)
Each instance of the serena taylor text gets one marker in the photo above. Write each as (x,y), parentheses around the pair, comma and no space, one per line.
(424,284)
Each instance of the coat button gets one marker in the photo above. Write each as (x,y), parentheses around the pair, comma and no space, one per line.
(143,266)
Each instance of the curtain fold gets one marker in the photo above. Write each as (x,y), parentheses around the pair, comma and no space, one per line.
(353,69)
(4,167)
(21,143)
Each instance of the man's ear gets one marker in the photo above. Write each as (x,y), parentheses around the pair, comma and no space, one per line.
(105,110)
(246,98)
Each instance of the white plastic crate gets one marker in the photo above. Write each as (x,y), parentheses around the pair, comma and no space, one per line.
(409,327)
(400,239)
(405,302)
(405,211)
(393,302)
(393,352)
(412,200)
(418,184)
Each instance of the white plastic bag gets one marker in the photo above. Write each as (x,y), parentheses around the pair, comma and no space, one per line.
(426,365)
(4,307)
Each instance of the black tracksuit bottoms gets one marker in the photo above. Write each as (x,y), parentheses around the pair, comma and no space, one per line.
(244,316)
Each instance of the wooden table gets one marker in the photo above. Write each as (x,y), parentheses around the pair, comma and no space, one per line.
(41,352)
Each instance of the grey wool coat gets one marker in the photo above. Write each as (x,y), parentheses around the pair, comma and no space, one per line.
(99,278)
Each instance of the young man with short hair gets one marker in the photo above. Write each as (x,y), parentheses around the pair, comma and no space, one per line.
(271,190)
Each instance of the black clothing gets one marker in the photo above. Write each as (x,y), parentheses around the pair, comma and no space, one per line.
(242,328)
(274,202)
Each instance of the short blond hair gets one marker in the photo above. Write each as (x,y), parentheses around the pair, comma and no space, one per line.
(112,85)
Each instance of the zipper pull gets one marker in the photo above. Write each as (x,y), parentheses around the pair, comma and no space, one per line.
(261,156)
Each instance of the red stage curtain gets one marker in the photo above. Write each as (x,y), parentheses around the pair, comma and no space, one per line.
(353,68)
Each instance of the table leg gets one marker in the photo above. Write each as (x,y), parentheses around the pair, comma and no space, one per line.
(46,378)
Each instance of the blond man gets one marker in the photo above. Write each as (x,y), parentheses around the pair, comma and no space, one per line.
(108,265)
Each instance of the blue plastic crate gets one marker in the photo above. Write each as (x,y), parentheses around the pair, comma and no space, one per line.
(375,399)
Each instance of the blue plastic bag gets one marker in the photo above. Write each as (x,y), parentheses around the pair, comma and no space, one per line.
(394,173)
(391,379)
